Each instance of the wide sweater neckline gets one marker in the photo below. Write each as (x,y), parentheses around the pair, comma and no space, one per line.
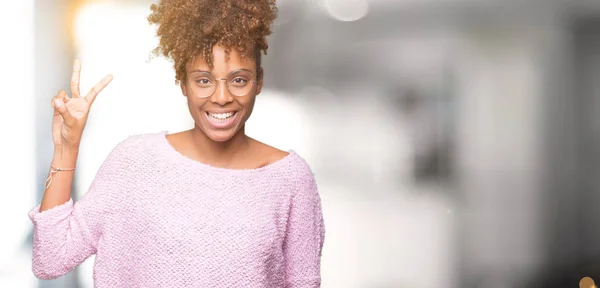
(175,155)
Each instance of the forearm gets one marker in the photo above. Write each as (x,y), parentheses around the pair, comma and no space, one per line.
(59,191)
(67,233)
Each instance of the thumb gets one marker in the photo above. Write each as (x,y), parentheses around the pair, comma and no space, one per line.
(61,107)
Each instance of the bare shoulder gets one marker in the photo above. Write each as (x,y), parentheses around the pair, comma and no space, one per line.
(181,143)
(176,138)
(269,153)
(277,154)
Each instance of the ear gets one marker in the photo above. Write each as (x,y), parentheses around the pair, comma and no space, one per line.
(183,88)
(259,82)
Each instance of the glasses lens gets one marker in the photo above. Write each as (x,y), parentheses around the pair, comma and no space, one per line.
(205,86)
(240,83)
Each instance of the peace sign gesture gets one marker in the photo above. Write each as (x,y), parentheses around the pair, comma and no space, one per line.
(71,113)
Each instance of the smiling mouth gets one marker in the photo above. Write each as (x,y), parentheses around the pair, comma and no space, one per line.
(220,117)
(221,120)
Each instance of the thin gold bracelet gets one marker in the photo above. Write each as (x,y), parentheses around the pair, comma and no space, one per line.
(53,171)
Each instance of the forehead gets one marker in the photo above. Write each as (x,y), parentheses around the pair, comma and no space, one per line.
(221,63)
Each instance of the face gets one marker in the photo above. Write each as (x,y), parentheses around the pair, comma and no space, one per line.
(221,115)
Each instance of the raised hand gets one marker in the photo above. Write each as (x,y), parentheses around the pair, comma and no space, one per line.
(71,113)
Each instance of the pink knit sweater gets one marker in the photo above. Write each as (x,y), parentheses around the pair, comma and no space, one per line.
(155,218)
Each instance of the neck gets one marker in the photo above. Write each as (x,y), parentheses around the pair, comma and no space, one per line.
(220,153)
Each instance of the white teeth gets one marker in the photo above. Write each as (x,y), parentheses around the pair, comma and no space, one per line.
(221,116)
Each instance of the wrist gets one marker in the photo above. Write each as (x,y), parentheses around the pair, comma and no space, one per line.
(65,157)
(66,148)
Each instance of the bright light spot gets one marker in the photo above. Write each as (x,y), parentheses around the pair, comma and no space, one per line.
(586,282)
(347,10)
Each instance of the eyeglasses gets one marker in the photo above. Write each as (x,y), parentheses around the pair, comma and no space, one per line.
(239,83)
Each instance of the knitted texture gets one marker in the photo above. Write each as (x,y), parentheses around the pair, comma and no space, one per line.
(155,218)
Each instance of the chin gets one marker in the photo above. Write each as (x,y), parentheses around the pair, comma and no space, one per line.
(219,136)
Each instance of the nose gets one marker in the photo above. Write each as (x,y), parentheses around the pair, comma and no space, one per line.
(221,95)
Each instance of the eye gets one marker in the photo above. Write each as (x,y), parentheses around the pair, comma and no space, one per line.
(204,82)
(239,81)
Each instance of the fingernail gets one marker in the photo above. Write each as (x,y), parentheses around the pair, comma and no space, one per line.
(57,103)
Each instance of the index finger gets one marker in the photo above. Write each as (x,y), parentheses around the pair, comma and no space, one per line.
(75,78)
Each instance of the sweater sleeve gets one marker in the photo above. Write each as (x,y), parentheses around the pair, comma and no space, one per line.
(66,235)
(304,237)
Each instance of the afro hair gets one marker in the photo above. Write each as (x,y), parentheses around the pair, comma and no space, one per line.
(191,28)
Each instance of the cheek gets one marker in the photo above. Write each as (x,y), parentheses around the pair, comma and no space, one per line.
(193,100)
(248,105)
(195,104)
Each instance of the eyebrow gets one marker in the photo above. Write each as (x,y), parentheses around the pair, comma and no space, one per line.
(209,72)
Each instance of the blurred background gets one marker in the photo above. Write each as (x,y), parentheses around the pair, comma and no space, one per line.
(455,142)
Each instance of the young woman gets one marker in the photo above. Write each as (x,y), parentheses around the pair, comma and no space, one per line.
(207,207)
